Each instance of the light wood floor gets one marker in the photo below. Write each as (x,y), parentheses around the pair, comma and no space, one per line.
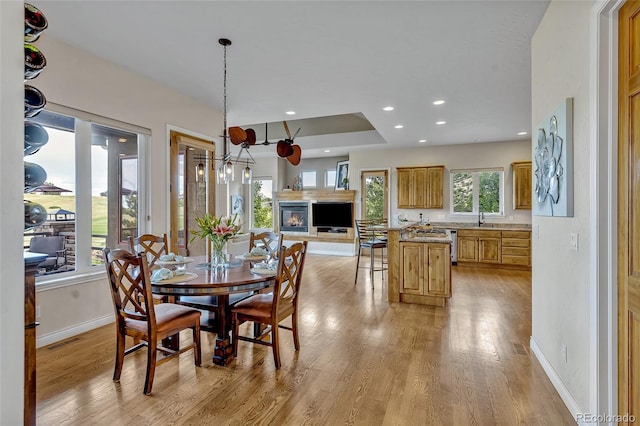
(361,362)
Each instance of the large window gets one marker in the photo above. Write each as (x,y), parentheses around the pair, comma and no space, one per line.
(262,201)
(91,192)
(475,191)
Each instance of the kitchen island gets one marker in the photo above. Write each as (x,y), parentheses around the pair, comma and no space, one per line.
(419,264)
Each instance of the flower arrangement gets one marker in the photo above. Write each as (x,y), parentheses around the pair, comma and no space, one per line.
(217,229)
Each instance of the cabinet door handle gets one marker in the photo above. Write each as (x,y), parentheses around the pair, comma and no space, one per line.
(32,325)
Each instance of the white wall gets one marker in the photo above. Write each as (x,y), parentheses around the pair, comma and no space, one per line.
(560,293)
(484,155)
(11,212)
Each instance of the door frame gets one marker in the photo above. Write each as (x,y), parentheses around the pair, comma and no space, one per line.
(387,175)
(176,138)
(603,259)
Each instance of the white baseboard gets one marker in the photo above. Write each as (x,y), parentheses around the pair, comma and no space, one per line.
(564,393)
(66,333)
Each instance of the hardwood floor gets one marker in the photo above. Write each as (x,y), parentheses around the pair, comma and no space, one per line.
(361,362)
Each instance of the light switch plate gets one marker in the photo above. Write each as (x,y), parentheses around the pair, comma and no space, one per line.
(573,241)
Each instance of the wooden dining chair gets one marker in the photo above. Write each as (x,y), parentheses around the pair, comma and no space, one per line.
(271,309)
(138,317)
(152,246)
(209,306)
(269,240)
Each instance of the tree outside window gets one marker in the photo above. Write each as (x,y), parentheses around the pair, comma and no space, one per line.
(262,204)
(473,192)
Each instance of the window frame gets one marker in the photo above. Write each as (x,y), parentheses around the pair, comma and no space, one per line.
(83,214)
(475,191)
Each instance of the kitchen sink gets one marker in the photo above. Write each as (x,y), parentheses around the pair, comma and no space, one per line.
(431,232)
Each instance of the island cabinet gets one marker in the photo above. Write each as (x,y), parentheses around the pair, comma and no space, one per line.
(479,246)
(420,187)
(425,273)
(521,185)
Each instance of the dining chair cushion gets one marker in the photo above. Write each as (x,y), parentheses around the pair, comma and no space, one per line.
(259,306)
(166,315)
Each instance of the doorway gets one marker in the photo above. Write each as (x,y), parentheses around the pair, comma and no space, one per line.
(375,194)
(192,190)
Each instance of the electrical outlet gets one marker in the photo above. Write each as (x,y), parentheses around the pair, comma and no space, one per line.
(564,353)
(37,311)
(511,218)
(573,241)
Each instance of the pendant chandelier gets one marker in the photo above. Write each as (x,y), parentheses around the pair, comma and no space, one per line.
(225,172)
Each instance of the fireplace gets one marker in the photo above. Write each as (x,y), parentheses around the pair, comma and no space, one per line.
(294,216)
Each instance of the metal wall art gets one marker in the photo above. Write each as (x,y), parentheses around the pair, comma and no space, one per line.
(553,162)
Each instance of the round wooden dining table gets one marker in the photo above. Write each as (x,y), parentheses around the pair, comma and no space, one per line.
(201,280)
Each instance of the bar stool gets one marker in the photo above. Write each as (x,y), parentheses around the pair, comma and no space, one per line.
(373,239)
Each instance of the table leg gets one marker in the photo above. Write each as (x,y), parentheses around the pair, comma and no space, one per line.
(223,351)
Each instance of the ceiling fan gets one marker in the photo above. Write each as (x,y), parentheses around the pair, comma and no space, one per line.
(285,148)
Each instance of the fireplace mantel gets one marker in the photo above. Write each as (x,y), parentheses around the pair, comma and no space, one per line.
(347,196)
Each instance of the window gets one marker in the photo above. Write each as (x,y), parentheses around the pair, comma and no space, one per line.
(262,200)
(375,200)
(330,178)
(91,191)
(475,191)
(308,179)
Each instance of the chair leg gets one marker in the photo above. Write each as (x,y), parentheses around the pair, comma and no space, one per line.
(197,351)
(151,364)
(372,259)
(275,344)
(120,340)
(358,264)
(234,338)
(294,329)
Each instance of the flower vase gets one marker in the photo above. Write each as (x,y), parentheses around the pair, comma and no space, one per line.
(219,257)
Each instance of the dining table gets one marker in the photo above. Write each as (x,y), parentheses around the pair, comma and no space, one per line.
(199,279)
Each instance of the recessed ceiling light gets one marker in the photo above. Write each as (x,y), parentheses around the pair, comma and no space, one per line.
(438,102)
(440,123)
(290,113)
(388,108)
(398,126)
(122,140)
(327,150)
(422,140)
(522,133)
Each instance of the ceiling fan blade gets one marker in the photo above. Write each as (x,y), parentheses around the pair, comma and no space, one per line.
(294,158)
(237,135)
(251,136)
(286,129)
(296,133)
(284,149)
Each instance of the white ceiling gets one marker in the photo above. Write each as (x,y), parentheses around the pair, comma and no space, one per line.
(325,58)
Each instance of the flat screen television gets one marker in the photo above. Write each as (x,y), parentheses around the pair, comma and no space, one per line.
(332,215)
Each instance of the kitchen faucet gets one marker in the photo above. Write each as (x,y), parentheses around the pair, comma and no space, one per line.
(480,217)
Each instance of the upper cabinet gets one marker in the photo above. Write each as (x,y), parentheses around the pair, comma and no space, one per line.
(420,187)
(521,185)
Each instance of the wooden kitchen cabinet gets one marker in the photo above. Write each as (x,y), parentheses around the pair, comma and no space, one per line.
(479,246)
(516,248)
(521,185)
(425,273)
(420,187)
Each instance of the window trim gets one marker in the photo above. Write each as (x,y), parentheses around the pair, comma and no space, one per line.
(475,192)
(82,130)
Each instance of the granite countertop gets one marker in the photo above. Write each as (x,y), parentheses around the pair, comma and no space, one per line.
(486,226)
(426,237)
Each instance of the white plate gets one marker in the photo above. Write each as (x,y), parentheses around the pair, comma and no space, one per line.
(174,262)
(263,271)
(248,256)
(187,276)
